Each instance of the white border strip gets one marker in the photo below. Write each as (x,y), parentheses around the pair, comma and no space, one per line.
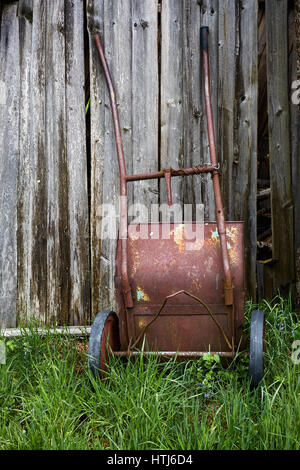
(65,330)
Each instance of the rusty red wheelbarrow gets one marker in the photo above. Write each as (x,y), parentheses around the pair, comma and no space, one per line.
(176,298)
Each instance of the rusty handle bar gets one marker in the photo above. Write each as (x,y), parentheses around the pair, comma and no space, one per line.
(167,174)
(123,188)
(228,290)
(180,172)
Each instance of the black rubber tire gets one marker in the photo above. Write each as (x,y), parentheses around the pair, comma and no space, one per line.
(256,367)
(95,340)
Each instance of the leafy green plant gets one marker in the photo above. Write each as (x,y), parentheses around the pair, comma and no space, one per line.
(207,371)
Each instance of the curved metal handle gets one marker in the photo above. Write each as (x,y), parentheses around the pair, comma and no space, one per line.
(123,188)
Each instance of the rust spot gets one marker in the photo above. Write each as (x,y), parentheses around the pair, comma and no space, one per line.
(136,261)
(209,263)
(142,323)
(141,295)
(178,233)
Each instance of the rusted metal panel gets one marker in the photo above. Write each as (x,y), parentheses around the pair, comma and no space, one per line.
(159,267)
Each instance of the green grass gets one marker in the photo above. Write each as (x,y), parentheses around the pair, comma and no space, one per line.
(49,400)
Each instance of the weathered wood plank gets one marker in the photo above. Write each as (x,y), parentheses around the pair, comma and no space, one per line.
(210,18)
(297,35)
(32,183)
(9,159)
(37,218)
(144,93)
(25,10)
(226,94)
(58,229)
(172,150)
(95,19)
(25,170)
(78,215)
(279,141)
(192,154)
(181,100)
(262,84)
(294,74)
(244,185)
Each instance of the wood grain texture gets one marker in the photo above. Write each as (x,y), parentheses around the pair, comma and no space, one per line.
(53,245)
(210,18)
(227,14)
(172,139)
(26,168)
(184,140)
(78,208)
(279,141)
(32,184)
(58,230)
(244,172)
(294,74)
(9,160)
(95,15)
(191,75)
(144,96)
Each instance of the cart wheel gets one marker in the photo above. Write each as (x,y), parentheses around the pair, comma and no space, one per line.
(256,348)
(104,338)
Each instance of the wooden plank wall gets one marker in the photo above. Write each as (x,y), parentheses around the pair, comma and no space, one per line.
(44,238)
(294,75)
(56,263)
(9,159)
(279,141)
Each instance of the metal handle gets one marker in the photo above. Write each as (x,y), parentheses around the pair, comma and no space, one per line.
(228,291)
(204,31)
(123,188)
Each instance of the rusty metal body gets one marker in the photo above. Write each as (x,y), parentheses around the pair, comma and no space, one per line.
(182,299)
(160,267)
